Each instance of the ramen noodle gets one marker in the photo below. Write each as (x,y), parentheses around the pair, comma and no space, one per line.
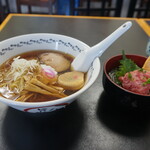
(38,76)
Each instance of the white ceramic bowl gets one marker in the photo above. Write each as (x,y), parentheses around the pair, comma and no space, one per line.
(42,41)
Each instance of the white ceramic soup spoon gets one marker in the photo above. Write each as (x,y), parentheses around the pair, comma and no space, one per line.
(83,61)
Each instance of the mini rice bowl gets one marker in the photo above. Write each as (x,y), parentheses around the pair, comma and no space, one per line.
(43,41)
(125,98)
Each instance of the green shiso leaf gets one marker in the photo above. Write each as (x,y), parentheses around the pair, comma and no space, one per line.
(126,65)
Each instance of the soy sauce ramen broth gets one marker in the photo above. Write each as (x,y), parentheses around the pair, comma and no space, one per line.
(32,96)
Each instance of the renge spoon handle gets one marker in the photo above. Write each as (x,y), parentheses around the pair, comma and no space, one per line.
(83,61)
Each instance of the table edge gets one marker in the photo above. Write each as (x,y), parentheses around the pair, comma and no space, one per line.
(141,22)
(3,24)
(144,25)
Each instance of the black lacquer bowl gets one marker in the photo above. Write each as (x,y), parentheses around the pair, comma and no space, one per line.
(119,95)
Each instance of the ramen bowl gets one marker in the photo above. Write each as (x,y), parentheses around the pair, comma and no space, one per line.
(41,41)
(121,96)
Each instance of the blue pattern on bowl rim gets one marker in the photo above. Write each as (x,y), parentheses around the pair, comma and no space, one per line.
(40,41)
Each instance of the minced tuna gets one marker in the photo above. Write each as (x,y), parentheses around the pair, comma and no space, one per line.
(137,81)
